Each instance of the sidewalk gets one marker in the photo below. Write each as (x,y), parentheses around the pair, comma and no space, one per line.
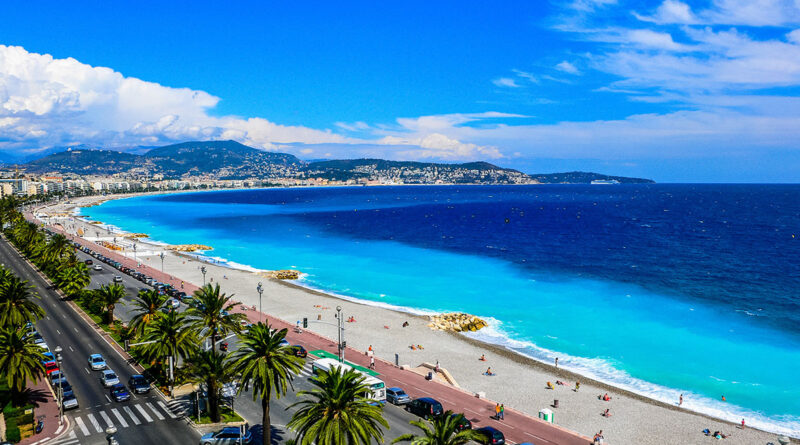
(517,427)
(45,405)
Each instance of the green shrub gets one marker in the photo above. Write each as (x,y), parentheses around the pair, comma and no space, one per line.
(13,435)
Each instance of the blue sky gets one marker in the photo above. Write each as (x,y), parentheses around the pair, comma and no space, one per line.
(673,90)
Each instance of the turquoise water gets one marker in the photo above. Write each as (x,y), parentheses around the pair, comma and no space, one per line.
(633,335)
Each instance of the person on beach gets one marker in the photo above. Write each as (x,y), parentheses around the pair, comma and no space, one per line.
(607,413)
(405,324)
(742,423)
(483,358)
(598,438)
(723,398)
(680,400)
(550,386)
(577,386)
(489,372)
(556,362)
(370,348)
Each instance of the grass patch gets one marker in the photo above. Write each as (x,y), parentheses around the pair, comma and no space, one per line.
(226,415)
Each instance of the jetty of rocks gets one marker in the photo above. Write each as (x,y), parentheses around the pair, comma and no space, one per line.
(456,322)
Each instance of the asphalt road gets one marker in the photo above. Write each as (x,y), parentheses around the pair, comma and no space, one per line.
(144,419)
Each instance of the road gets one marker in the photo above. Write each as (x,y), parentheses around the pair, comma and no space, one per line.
(144,419)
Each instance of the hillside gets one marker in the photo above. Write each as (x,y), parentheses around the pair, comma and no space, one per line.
(585,178)
(84,162)
(228,159)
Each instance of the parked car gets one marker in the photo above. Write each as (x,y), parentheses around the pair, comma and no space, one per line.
(58,378)
(89,262)
(425,407)
(139,384)
(397,396)
(463,422)
(120,393)
(109,378)
(228,435)
(50,367)
(69,401)
(97,362)
(175,304)
(493,435)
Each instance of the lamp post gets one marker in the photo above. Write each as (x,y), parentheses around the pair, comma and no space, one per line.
(58,350)
(260,290)
(110,431)
(134,253)
(203,270)
(339,318)
(162,261)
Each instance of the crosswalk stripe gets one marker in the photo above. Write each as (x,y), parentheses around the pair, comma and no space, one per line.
(119,417)
(169,411)
(144,413)
(95,423)
(82,426)
(153,408)
(131,415)
(106,418)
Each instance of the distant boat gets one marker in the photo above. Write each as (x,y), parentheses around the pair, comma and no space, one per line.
(605,181)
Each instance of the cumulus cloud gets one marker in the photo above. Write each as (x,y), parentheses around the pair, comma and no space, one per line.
(46,101)
(728,12)
(505,82)
(567,68)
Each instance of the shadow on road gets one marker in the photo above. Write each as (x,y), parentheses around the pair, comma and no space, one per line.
(279,436)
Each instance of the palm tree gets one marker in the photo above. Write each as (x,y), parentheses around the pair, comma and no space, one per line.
(21,360)
(171,336)
(266,366)
(212,368)
(108,296)
(441,430)
(8,206)
(26,234)
(336,411)
(146,306)
(213,311)
(58,247)
(16,302)
(73,279)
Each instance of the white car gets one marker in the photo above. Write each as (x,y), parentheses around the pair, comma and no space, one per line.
(117,279)
(174,303)
(109,378)
(97,362)
(98,267)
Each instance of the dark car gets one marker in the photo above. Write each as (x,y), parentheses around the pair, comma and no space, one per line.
(425,407)
(463,422)
(139,384)
(88,262)
(494,436)
(300,351)
(397,396)
(120,393)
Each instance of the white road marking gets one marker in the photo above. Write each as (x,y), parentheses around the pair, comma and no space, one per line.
(131,415)
(119,417)
(106,418)
(164,407)
(70,348)
(58,332)
(64,315)
(82,426)
(108,398)
(76,329)
(153,408)
(95,423)
(144,413)
(87,370)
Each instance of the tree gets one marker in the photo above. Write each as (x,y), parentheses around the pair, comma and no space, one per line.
(73,279)
(57,249)
(107,297)
(21,360)
(441,430)
(147,305)
(213,310)
(8,209)
(16,302)
(336,411)
(266,366)
(172,337)
(26,234)
(215,370)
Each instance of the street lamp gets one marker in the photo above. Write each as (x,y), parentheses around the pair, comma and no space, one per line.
(58,350)
(339,318)
(134,253)
(110,431)
(203,270)
(162,261)
(260,289)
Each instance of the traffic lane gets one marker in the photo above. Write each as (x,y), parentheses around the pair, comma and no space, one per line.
(169,431)
(63,327)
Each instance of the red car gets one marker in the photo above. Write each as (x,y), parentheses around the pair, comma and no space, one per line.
(50,367)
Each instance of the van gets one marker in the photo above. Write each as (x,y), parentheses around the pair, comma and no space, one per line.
(425,407)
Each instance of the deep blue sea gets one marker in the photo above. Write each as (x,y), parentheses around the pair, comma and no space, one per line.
(661,289)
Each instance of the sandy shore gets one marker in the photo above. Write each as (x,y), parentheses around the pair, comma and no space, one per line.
(520,382)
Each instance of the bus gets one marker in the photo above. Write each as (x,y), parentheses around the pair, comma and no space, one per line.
(376,385)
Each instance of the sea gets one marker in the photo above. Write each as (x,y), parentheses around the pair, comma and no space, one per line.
(661,289)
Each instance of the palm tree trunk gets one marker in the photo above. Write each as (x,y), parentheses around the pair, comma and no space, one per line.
(214,338)
(213,402)
(110,315)
(266,435)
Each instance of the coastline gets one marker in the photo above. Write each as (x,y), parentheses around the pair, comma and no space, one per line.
(637,418)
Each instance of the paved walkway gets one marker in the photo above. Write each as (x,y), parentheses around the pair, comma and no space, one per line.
(45,405)
(517,427)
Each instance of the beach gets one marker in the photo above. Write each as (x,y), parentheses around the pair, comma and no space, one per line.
(520,382)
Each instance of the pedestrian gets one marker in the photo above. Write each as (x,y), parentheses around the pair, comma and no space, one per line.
(742,423)
(680,400)
(370,348)
(181,284)
(371,362)
(497,411)
(556,362)
(502,412)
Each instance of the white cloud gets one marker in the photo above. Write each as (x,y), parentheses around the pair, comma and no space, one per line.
(567,68)
(728,12)
(647,38)
(46,101)
(505,82)
(671,11)
(526,75)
